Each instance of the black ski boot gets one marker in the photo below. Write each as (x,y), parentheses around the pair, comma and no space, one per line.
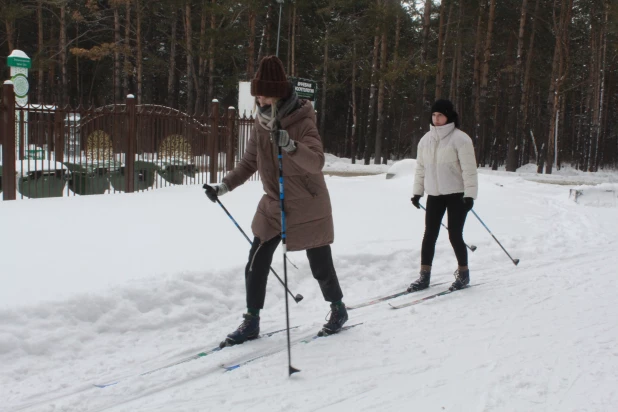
(248,330)
(338,316)
(462,279)
(421,283)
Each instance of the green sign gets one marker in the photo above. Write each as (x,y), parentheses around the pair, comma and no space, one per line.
(35,154)
(13,61)
(305,88)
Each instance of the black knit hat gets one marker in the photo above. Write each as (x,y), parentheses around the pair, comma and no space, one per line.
(270,79)
(446,108)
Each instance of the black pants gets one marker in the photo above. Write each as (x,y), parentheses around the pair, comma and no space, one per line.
(260,258)
(457,212)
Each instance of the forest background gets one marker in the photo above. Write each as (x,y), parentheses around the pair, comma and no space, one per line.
(532,80)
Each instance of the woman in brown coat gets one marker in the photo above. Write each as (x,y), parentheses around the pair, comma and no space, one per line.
(283,120)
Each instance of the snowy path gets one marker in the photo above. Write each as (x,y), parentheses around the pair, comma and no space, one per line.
(537,337)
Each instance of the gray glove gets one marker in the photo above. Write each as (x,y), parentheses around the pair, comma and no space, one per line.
(213,192)
(282,138)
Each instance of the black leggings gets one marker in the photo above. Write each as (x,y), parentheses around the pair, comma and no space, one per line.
(457,212)
(260,258)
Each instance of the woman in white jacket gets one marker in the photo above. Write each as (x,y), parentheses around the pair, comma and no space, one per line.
(446,171)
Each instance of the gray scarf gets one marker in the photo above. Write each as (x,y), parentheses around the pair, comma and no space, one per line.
(284,107)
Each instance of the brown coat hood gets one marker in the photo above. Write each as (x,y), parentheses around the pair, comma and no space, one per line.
(308,210)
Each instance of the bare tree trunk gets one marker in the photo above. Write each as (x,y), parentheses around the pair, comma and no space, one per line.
(595,91)
(201,71)
(189,53)
(41,39)
(485,72)
(601,86)
(293,65)
(558,75)
(63,54)
(442,40)
(390,146)
(117,40)
(127,70)
(10,33)
(456,69)
(511,163)
(425,46)
(251,48)
(360,137)
(589,113)
(52,86)
(324,85)
(397,38)
(525,87)
(78,82)
(476,83)
(372,93)
(140,56)
(380,123)
(354,107)
(211,59)
(171,78)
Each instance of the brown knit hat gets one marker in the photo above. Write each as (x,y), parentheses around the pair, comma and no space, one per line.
(270,79)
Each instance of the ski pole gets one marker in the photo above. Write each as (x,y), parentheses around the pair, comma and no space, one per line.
(291,369)
(472,247)
(515,261)
(296,298)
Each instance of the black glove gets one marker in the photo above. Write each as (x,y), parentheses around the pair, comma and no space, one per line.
(468,203)
(282,138)
(213,192)
(415,201)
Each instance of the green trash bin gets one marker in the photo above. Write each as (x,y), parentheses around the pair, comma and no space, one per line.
(91,179)
(43,183)
(175,172)
(143,176)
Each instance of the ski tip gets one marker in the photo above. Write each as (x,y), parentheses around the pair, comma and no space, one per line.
(104,385)
(230,368)
(292,370)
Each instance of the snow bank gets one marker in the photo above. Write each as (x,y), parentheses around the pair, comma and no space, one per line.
(403,168)
(603,195)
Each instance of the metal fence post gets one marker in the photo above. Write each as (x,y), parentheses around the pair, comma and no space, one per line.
(129,161)
(7,126)
(214,142)
(231,123)
(58,140)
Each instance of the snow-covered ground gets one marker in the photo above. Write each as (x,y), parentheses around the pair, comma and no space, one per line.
(100,287)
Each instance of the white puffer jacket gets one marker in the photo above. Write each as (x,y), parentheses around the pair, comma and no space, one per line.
(446,163)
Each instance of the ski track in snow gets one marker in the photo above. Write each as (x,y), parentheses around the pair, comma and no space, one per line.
(537,337)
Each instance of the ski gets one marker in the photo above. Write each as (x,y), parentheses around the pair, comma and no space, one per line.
(253,357)
(435,295)
(183,360)
(385,298)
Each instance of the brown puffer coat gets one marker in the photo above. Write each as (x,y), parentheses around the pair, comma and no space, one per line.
(308,211)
